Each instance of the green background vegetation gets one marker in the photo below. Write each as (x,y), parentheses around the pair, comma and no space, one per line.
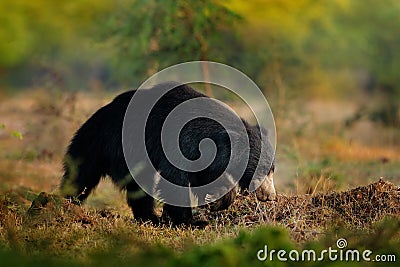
(290,48)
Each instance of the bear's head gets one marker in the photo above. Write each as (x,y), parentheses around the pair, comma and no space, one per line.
(261,165)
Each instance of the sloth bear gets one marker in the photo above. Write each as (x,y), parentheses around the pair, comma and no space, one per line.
(96,150)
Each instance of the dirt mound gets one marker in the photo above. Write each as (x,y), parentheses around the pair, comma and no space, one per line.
(50,208)
(308,215)
(363,205)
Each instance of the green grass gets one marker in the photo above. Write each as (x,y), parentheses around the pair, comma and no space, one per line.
(238,251)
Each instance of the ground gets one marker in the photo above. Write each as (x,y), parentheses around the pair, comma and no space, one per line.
(328,182)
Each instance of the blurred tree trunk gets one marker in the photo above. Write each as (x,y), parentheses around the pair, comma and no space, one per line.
(204,65)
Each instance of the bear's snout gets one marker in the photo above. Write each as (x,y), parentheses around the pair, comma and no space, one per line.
(266,191)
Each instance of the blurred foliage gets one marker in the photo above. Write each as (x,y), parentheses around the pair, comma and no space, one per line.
(12,133)
(163,33)
(313,44)
(290,48)
(43,26)
(372,43)
(44,38)
(240,251)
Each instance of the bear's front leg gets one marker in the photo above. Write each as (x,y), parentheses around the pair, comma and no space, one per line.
(224,202)
(177,215)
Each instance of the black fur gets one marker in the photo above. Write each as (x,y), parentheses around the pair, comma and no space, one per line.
(96,151)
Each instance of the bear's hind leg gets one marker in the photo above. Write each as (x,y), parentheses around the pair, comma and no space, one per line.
(79,180)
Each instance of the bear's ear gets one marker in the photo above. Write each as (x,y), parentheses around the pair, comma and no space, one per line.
(261,130)
(242,147)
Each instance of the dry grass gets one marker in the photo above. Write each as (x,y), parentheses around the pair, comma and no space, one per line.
(49,224)
(356,151)
(316,164)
